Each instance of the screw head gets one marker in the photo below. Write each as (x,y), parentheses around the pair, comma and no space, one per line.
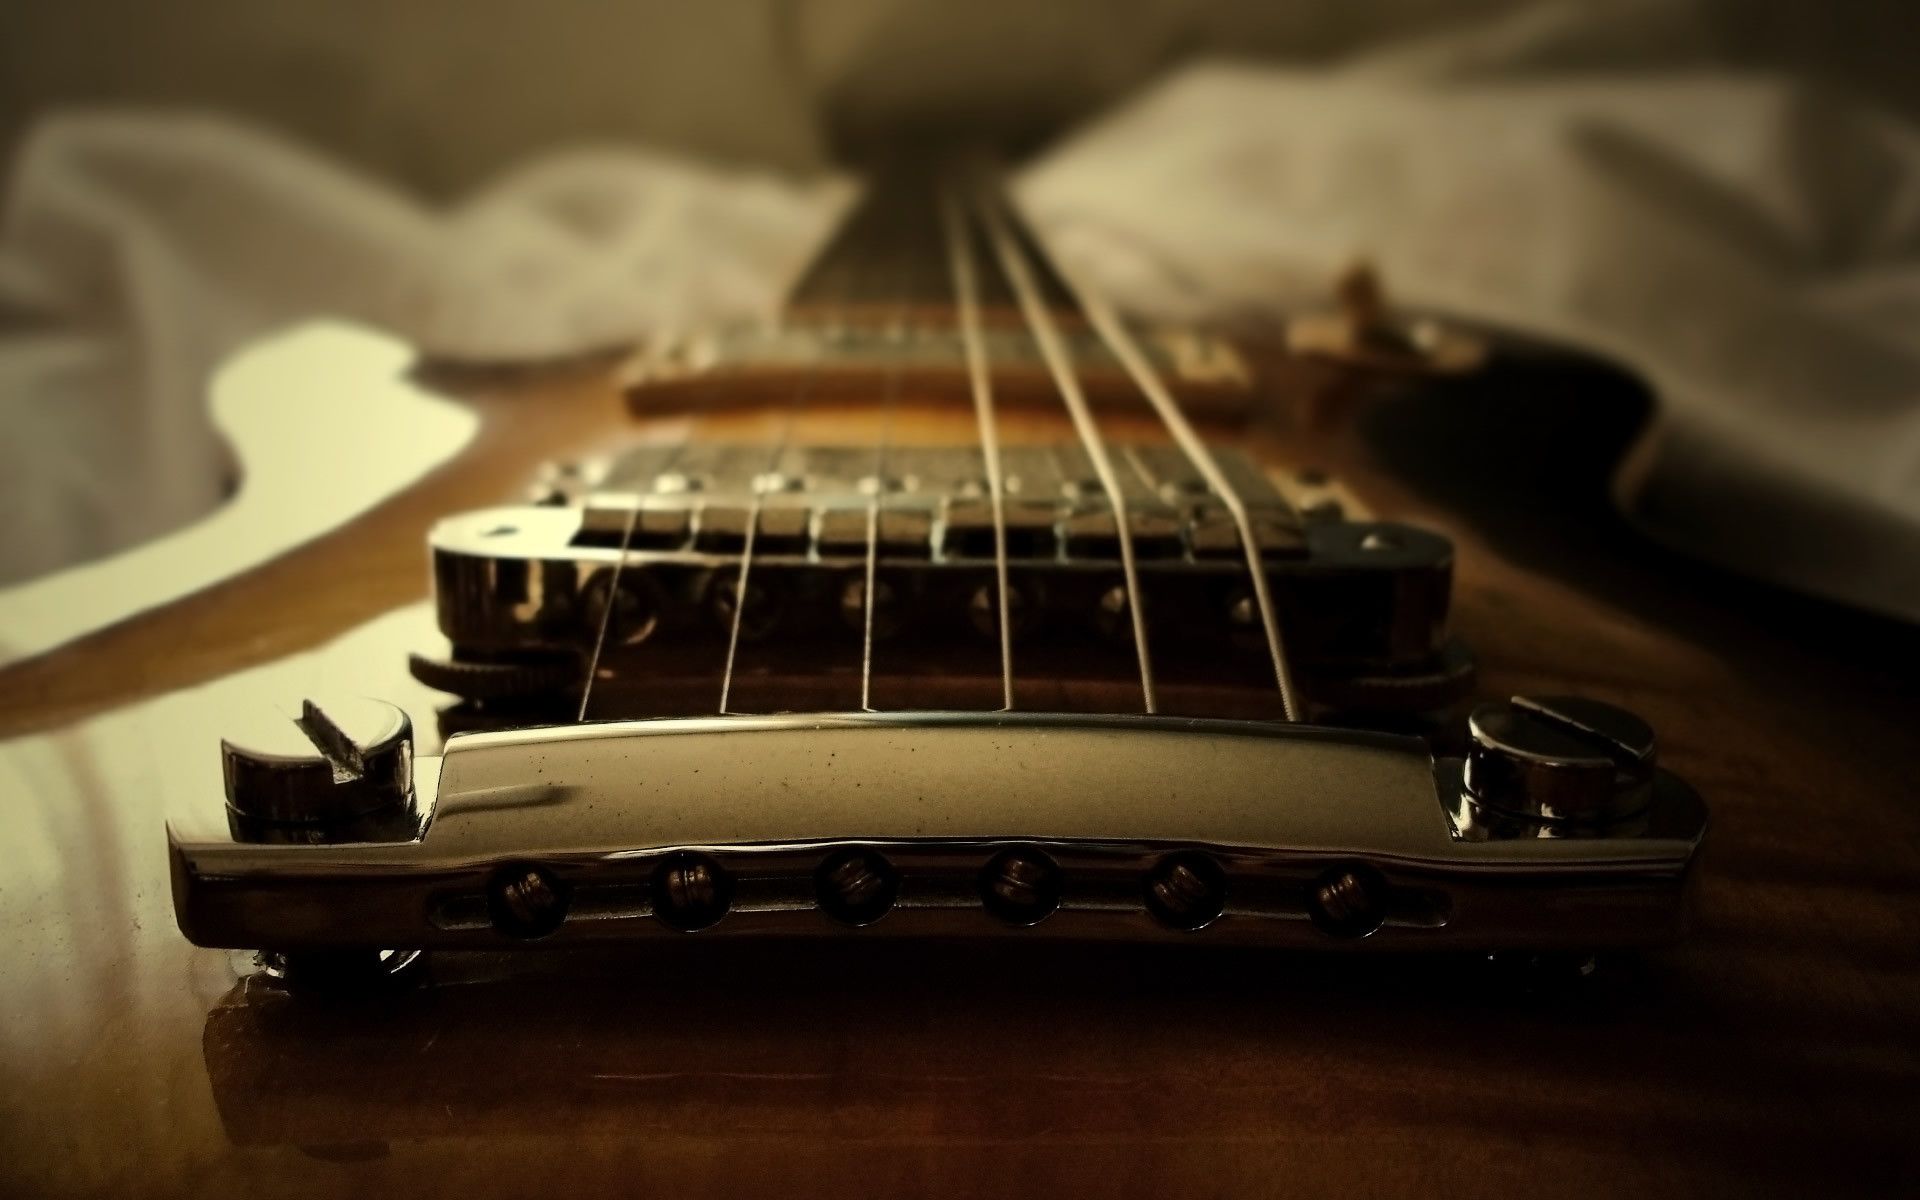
(763,607)
(1186,890)
(856,886)
(334,760)
(1348,902)
(526,901)
(1021,886)
(636,607)
(1112,613)
(983,609)
(1560,758)
(1241,611)
(691,891)
(886,607)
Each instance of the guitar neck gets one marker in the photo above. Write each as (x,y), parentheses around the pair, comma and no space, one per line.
(876,308)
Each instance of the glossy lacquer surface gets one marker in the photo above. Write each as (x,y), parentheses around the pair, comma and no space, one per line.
(1777,1050)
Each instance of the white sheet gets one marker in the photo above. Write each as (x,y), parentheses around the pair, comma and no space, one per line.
(140,249)
(1748,245)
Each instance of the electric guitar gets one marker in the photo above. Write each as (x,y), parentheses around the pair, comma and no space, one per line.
(966,726)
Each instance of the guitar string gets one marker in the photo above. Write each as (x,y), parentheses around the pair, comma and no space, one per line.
(606,612)
(1125,347)
(834,332)
(1059,363)
(896,334)
(675,453)
(960,266)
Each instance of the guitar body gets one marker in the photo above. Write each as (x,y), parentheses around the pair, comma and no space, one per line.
(1775,1050)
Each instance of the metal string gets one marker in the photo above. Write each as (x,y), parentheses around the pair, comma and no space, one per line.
(1059,363)
(873,557)
(606,611)
(891,391)
(746,550)
(767,477)
(966,293)
(613,588)
(1126,348)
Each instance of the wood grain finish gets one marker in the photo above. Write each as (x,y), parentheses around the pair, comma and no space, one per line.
(1775,1052)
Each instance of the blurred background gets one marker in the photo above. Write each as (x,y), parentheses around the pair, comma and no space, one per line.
(1724,194)
(442,94)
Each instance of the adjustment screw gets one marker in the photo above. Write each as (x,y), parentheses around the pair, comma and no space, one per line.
(763,609)
(690,892)
(983,609)
(526,901)
(1021,886)
(1560,758)
(886,607)
(1111,614)
(857,886)
(1242,614)
(635,611)
(1348,902)
(339,759)
(1186,890)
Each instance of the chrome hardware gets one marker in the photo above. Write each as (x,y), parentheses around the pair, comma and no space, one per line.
(1561,758)
(983,609)
(636,608)
(1187,891)
(526,901)
(1348,902)
(340,771)
(690,891)
(1110,615)
(1021,886)
(945,824)
(348,758)
(763,609)
(886,607)
(857,886)
(1362,600)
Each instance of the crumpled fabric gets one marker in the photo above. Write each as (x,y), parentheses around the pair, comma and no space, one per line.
(1749,246)
(138,250)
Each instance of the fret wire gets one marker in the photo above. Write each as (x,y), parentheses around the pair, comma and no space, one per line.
(960,265)
(1059,362)
(1125,347)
